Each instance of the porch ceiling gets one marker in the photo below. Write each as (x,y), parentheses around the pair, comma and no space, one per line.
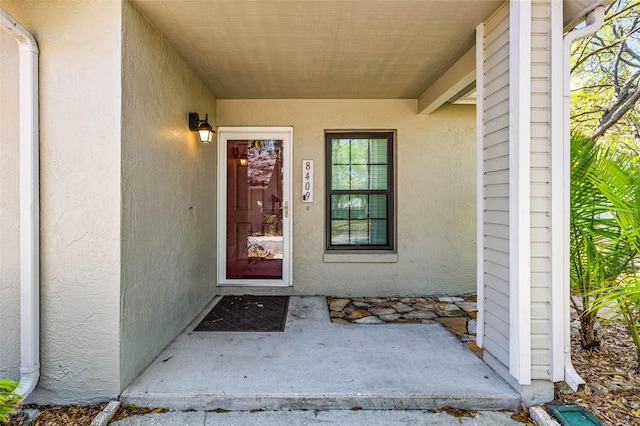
(319,49)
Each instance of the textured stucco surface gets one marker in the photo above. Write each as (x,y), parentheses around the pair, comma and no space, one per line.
(435,181)
(80,195)
(9,209)
(128,196)
(168,196)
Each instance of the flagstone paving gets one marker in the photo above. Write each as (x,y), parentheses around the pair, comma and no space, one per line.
(457,314)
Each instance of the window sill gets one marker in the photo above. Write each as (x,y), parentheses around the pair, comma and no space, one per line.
(360,257)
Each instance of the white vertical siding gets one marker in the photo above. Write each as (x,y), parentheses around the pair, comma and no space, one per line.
(540,197)
(495,184)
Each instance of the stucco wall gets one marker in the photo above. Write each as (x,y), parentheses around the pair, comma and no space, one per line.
(9,209)
(168,196)
(80,195)
(435,157)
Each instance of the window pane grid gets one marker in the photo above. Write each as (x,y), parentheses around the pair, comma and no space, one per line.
(359,188)
(359,164)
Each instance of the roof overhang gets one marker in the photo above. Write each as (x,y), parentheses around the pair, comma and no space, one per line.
(331,49)
(310,49)
(456,82)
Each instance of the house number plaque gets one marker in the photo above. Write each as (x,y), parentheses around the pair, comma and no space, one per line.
(307,181)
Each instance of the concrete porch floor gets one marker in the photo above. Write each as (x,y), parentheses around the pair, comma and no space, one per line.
(316,364)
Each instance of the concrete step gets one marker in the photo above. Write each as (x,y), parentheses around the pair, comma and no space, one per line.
(317,365)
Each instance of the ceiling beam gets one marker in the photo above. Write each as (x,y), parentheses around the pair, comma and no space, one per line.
(453,82)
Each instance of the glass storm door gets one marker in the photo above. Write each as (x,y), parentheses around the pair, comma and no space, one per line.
(253,202)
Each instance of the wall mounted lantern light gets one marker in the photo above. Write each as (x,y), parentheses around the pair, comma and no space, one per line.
(202,126)
(244,160)
(241,156)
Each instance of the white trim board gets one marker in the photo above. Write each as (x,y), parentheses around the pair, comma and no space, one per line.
(520,191)
(559,199)
(480,182)
(253,133)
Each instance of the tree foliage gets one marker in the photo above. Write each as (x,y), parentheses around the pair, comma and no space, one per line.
(600,251)
(605,181)
(605,70)
(618,180)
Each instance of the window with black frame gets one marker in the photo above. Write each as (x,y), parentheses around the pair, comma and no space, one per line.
(359,190)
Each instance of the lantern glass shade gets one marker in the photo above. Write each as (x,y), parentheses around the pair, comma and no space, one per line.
(244,160)
(205,131)
(206,135)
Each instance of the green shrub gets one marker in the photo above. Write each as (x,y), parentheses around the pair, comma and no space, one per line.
(9,400)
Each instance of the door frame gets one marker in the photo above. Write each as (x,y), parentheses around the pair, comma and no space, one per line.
(226,133)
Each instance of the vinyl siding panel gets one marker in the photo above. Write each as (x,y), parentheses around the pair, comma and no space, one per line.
(493,178)
(496,137)
(496,164)
(497,125)
(497,65)
(497,88)
(540,265)
(500,150)
(497,217)
(495,349)
(496,111)
(499,296)
(540,199)
(500,204)
(499,244)
(495,184)
(496,271)
(496,191)
(497,257)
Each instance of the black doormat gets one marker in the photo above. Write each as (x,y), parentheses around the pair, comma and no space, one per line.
(246,313)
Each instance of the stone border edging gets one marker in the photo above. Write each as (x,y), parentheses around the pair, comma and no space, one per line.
(456,313)
(109,411)
(541,417)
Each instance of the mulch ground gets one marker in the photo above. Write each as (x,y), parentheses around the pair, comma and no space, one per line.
(71,415)
(54,415)
(612,391)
